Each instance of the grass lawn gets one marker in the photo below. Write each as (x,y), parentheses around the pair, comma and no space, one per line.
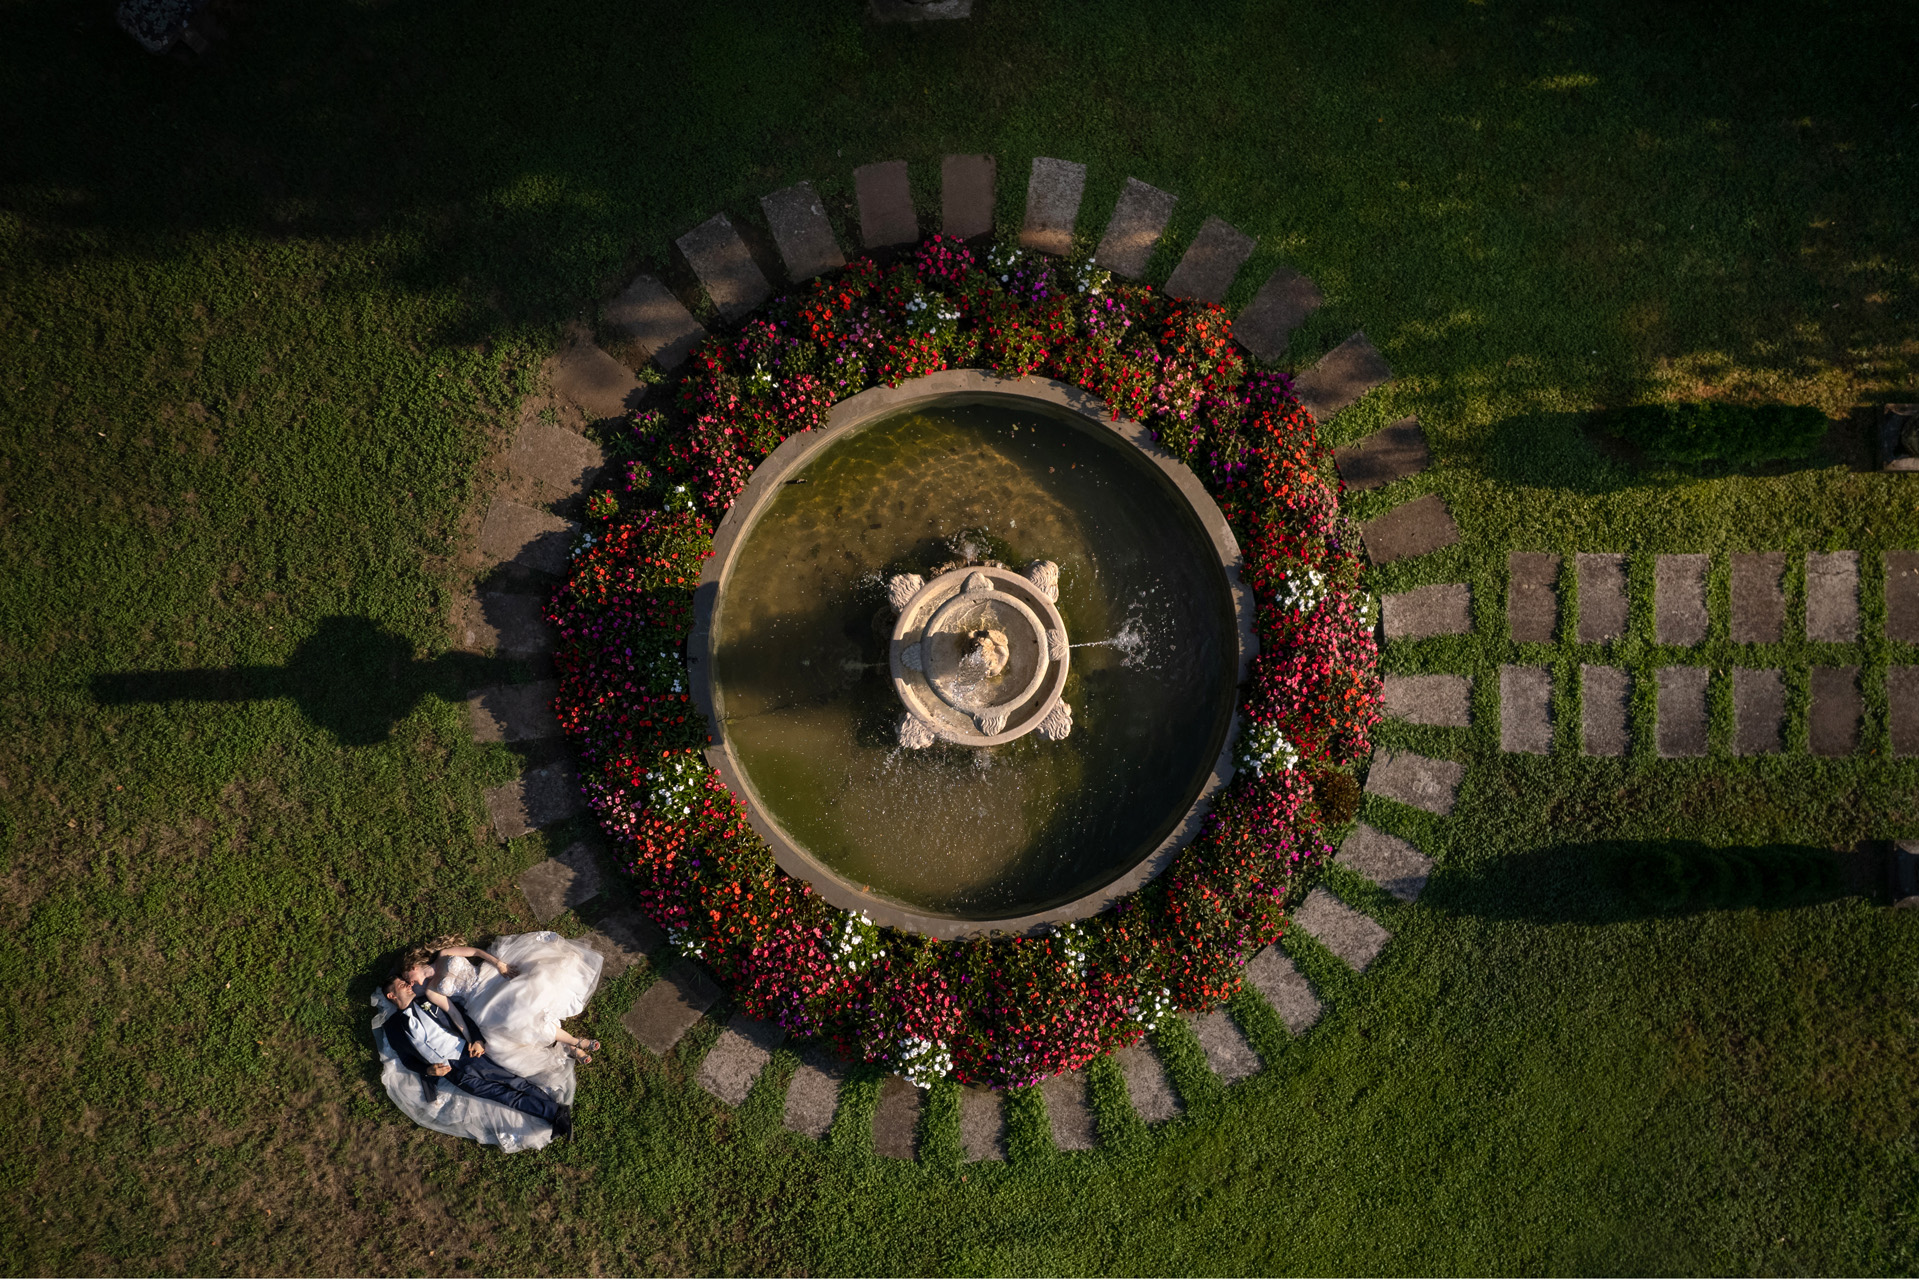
(264,327)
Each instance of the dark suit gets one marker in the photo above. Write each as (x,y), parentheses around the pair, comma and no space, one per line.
(481,1077)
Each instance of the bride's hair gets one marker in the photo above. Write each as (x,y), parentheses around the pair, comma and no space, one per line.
(424,954)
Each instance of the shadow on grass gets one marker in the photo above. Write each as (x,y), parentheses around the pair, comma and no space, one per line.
(349,677)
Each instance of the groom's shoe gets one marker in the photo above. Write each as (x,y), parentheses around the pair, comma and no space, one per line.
(563,1123)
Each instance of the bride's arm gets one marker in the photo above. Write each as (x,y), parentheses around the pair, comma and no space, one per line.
(459,1020)
(471,952)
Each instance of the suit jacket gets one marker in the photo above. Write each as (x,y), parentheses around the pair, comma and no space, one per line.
(395,1029)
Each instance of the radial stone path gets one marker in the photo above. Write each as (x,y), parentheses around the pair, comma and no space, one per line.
(1602,596)
(966,196)
(668,1009)
(600,385)
(1603,703)
(567,880)
(1832,597)
(649,317)
(1147,1085)
(1395,865)
(885,197)
(1759,711)
(1139,219)
(1416,780)
(1758,598)
(537,798)
(1067,1112)
(1342,376)
(1211,262)
(1415,529)
(1682,711)
(1227,1050)
(982,1122)
(1679,599)
(726,270)
(1282,304)
(813,1094)
(1052,205)
(1525,709)
(1902,596)
(1444,700)
(623,940)
(1353,936)
(800,229)
(514,713)
(896,1119)
(1389,454)
(1273,974)
(1902,702)
(506,623)
(1837,709)
(526,536)
(1532,596)
(1441,610)
(736,1060)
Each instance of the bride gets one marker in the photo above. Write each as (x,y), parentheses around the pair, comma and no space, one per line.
(517,995)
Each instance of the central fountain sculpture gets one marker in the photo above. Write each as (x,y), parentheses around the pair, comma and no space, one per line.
(979,656)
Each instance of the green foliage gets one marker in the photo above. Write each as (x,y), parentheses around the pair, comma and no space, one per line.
(1692,432)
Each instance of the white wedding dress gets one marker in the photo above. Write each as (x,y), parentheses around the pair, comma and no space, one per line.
(552,979)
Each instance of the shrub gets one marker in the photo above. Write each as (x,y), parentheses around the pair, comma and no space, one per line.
(1694,432)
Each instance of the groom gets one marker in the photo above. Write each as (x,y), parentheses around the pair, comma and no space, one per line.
(433,1038)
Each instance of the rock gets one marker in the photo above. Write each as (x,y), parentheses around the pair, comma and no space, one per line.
(1441,610)
(1389,454)
(1147,1084)
(647,315)
(1071,1120)
(1525,709)
(562,882)
(732,280)
(1532,596)
(514,713)
(1052,205)
(1832,597)
(1395,865)
(736,1060)
(1273,974)
(1679,599)
(527,536)
(1227,1050)
(1211,262)
(982,1125)
(1416,780)
(1681,727)
(1444,700)
(1837,709)
(1342,376)
(1602,596)
(896,1119)
(1604,710)
(966,196)
(537,798)
(1759,712)
(885,198)
(668,1009)
(800,229)
(1758,598)
(1353,936)
(1139,219)
(1420,526)
(1282,304)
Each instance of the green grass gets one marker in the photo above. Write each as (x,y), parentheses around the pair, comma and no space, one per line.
(264,326)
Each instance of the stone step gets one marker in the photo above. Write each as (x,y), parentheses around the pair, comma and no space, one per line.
(1211,262)
(1444,609)
(1273,974)
(647,315)
(1525,710)
(1230,1055)
(1602,596)
(601,386)
(1139,219)
(1342,376)
(1902,706)
(1068,1112)
(1395,865)
(1420,526)
(800,229)
(885,196)
(982,1124)
(505,623)
(1679,599)
(1604,698)
(563,463)
(1837,710)
(514,713)
(732,280)
(1389,454)
(1444,700)
(527,536)
(1353,936)
(1681,729)
(896,1120)
(1902,596)
(1282,304)
(1532,596)
(1053,193)
(568,879)
(813,1094)
(623,940)
(738,1057)
(1148,1085)
(1416,780)
(1832,596)
(1758,597)
(537,798)
(1759,712)
(966,196)
(668,1009)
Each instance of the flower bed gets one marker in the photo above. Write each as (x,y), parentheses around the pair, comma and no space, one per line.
(992,1010)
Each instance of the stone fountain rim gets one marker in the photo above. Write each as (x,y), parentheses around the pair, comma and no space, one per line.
(800,449)
(1050,676)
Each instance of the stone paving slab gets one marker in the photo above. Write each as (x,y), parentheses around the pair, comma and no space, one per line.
(1604,711)
(726,270)
(982,1124)
(527,536)
(668,1009)
(1416,780)
(647,315)
(1832,596)
(1147,1084)
(1342,376)
(564,881)
(737,1058)
(1389,454)
(1679,599)
(537,798)
(1902,596)
(1282,304)
(505,623)
(1902,699)
(1444,700)
(813,1094)
(1682,712)
(1211,262)
(1758,597)
(1441,610)
(1532,596)
(1053,193)
(514,713)
(1069,1113)
(1228,1052)
(896,1120)
(1353,936)
(800,229)
(1758,712)
(1395,865)
(966,196)
(1273,974)
(1414,529)
(1837,709)
(586,376)
(1525,709)
(918,10)
(1602,596)
(561,460)
(1139,219)
(885,196)
(623,940)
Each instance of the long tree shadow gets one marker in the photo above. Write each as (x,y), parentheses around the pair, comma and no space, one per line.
(350,677)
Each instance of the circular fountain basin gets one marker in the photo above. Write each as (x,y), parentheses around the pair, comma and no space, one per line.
(802,661)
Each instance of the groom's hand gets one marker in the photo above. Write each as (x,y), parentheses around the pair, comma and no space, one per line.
(475,1050)
(440,1068)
